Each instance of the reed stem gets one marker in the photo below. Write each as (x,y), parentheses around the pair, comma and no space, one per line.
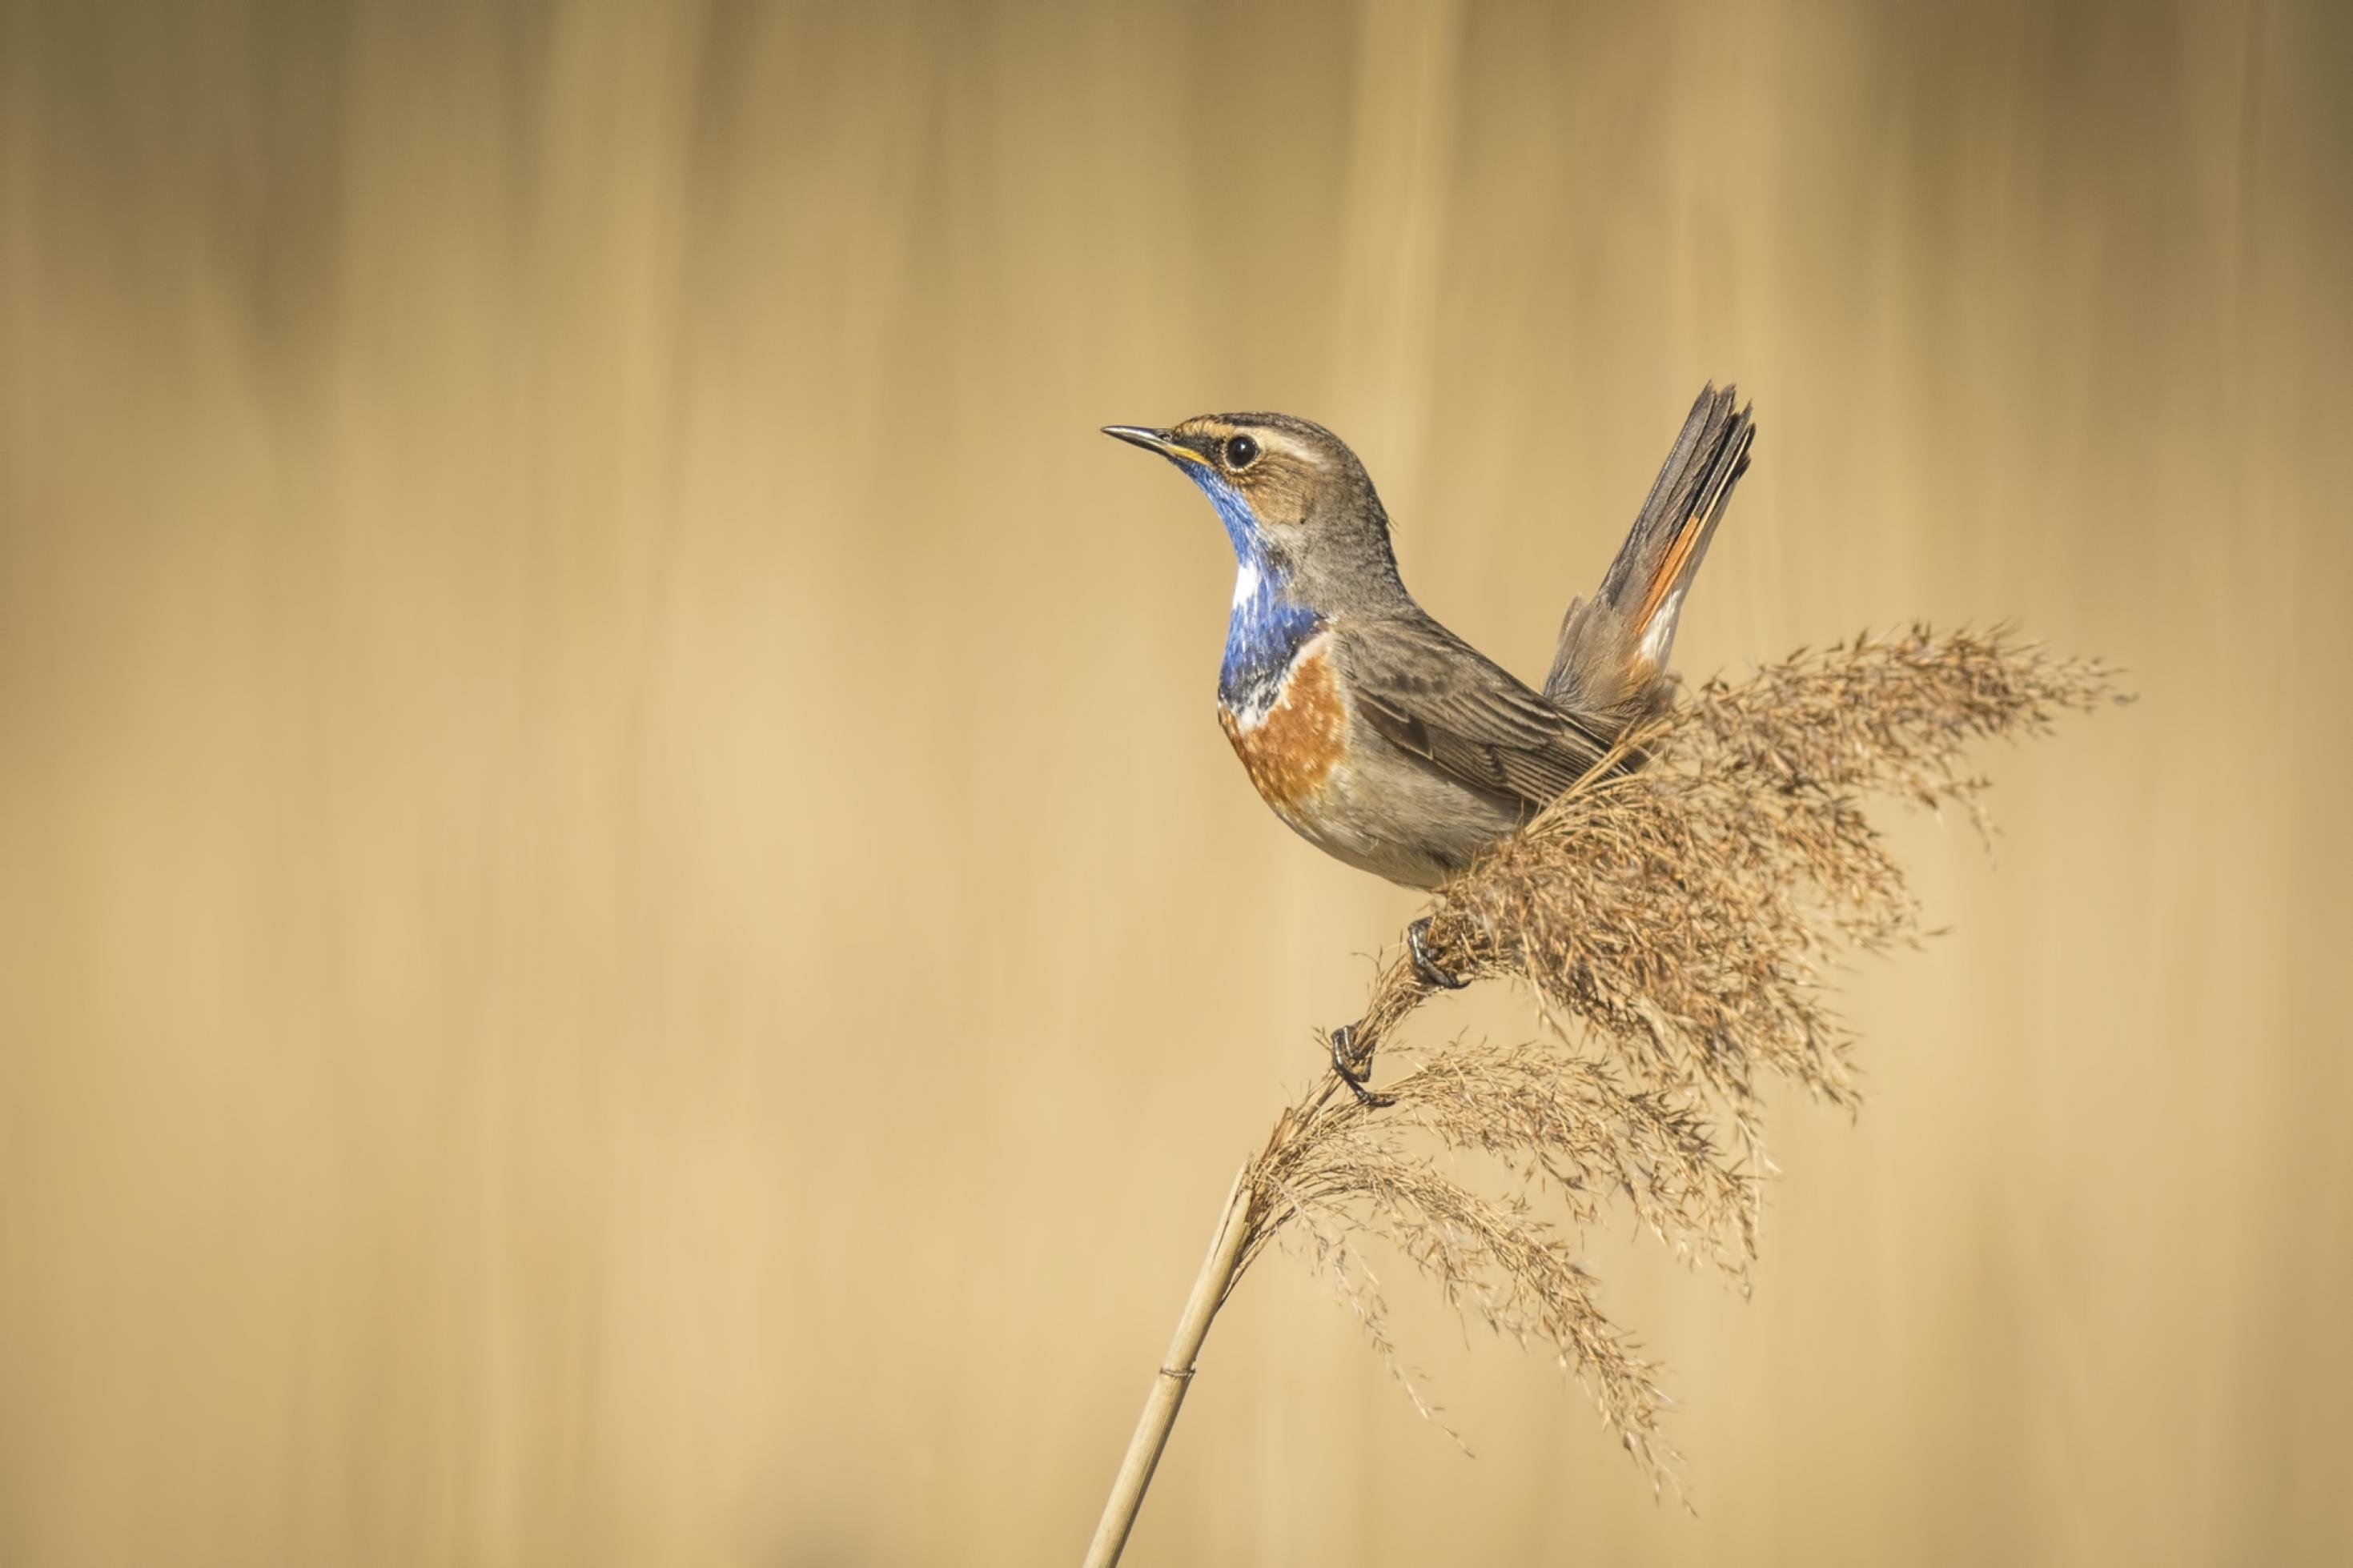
(1167,1392)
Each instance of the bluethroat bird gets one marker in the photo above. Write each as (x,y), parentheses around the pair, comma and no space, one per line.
(1376,734)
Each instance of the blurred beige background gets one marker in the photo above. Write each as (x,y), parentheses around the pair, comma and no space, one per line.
(625,935)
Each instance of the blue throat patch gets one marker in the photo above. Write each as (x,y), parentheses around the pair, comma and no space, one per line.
(1267,626)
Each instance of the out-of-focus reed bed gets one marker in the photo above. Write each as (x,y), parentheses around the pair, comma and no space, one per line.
(626,935)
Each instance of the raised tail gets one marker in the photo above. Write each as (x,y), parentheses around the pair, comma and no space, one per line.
(1610,665)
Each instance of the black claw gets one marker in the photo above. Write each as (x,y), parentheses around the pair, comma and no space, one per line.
(1343,1054)
(1416,937)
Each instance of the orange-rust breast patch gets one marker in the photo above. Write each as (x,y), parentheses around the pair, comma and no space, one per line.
(1292,750)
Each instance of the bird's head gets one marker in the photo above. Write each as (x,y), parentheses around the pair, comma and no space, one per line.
(1295,502)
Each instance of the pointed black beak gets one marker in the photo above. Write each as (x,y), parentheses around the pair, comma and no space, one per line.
(1153,441)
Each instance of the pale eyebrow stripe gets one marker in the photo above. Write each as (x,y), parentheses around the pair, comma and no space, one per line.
(1274,441)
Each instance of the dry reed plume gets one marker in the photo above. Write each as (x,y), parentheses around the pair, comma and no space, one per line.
(1674,925)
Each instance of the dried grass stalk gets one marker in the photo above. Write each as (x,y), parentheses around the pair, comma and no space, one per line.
(1674,925)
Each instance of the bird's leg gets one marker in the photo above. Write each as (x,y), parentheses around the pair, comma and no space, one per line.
(1416,940)
(1358,1077)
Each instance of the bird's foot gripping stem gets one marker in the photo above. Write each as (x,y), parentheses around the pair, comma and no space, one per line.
(1354,1071)
(1417,945)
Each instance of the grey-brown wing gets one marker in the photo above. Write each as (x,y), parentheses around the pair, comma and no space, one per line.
(1429,692)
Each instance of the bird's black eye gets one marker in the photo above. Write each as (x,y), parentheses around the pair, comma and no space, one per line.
(1241,452)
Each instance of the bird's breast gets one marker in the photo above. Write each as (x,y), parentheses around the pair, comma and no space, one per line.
(1291,745)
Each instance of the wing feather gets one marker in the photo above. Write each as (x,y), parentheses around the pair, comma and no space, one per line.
(1429,692)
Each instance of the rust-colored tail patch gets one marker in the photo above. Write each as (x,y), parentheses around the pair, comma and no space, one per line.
(1669,573)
